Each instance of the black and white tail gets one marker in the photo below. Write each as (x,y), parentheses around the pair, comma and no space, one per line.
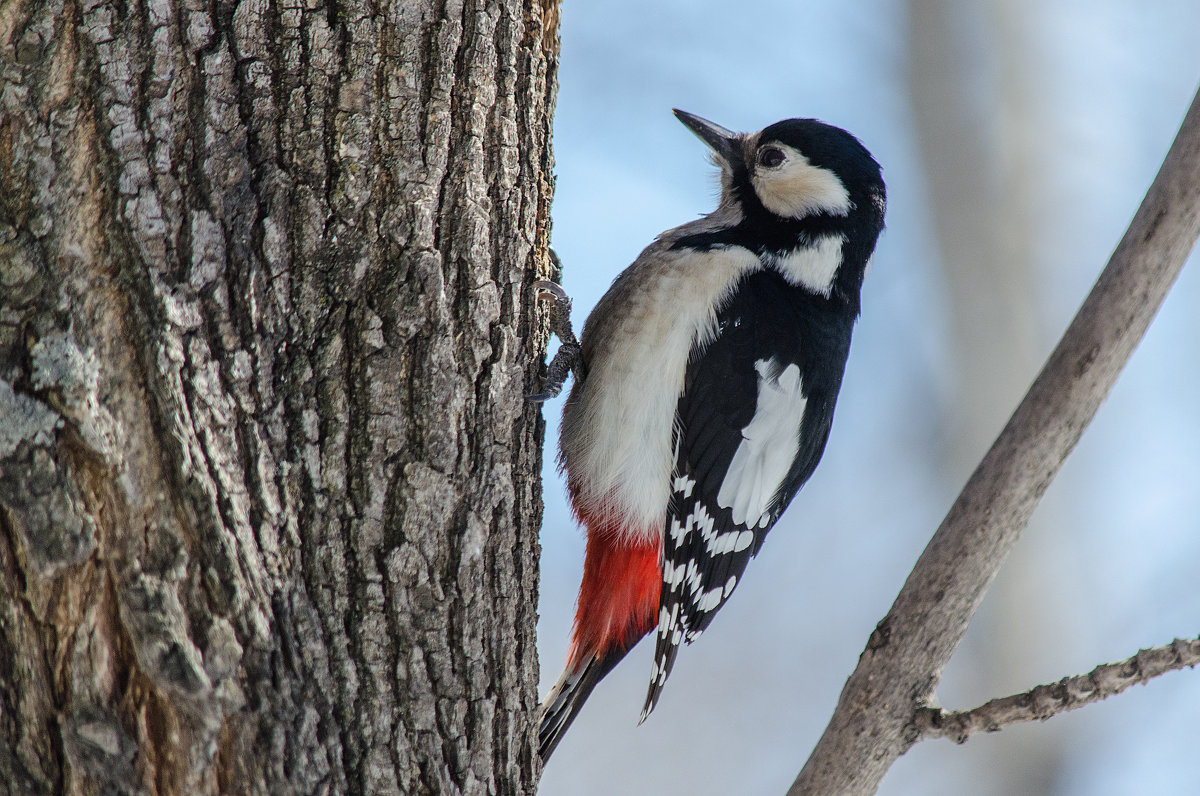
(565,699)
(563,702)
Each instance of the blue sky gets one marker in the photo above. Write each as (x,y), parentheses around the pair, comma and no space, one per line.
(1109,564)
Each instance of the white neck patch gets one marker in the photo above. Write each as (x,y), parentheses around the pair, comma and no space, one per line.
(796,188)
(814,266)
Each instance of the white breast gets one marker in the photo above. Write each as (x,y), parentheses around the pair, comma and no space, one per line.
(618,427)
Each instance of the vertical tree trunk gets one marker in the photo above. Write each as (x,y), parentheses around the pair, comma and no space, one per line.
(268,487)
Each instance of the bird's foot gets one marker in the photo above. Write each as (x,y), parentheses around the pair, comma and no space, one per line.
(563,363)
(566,359)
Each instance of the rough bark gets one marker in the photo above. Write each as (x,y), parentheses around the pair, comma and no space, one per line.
(876,718)
(268,487)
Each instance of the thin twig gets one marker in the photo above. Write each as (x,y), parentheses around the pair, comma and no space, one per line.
(1068,693)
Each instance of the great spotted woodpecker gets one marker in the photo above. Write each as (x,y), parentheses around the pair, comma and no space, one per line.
(705,383)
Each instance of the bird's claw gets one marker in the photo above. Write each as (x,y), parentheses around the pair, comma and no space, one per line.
(551,291)
(564,362)
(566,359)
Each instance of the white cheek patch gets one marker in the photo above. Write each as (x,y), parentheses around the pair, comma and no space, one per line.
(768,447)
(797,188)
(814,266)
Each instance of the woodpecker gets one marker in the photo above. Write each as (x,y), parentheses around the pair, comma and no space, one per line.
(704,390)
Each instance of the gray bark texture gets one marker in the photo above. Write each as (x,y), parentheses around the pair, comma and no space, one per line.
(883,704)
(269,490)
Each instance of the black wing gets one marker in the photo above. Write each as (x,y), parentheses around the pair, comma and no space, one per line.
(751,426)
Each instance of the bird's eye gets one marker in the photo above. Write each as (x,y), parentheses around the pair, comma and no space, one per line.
(770,157)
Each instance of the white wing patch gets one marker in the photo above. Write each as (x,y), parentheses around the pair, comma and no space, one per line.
(813,267)
(768,447)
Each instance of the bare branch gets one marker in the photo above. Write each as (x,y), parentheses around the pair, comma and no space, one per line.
(1068,693)
(900,668)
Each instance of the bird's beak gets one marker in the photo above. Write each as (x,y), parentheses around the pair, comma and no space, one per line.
(723,142)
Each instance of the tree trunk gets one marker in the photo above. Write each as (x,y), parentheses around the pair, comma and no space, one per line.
(268,487)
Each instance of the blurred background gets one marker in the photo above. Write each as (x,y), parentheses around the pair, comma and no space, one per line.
(1017,139)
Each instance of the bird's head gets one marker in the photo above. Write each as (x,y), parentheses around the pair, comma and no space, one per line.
(793,170)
